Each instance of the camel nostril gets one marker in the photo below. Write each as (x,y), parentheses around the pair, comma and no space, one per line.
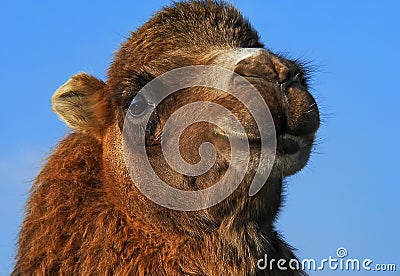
(286,84)
(284,88)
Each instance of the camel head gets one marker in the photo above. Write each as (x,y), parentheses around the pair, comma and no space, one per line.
(192,35)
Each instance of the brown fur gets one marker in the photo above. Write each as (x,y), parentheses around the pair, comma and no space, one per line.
(85,216)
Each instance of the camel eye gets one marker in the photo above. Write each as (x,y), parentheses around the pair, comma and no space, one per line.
(138,106)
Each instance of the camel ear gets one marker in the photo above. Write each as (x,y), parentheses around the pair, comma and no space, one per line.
(81,104)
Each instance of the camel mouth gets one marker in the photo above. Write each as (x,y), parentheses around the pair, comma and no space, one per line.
(292,153)
(288,144)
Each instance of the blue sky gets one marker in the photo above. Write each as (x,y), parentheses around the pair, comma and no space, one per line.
(348,194)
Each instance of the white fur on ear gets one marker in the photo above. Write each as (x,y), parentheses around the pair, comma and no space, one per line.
(80,103)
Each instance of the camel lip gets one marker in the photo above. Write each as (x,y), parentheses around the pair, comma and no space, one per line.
(292,153)
(288,144)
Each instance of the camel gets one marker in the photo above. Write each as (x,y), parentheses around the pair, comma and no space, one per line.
(86,216)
